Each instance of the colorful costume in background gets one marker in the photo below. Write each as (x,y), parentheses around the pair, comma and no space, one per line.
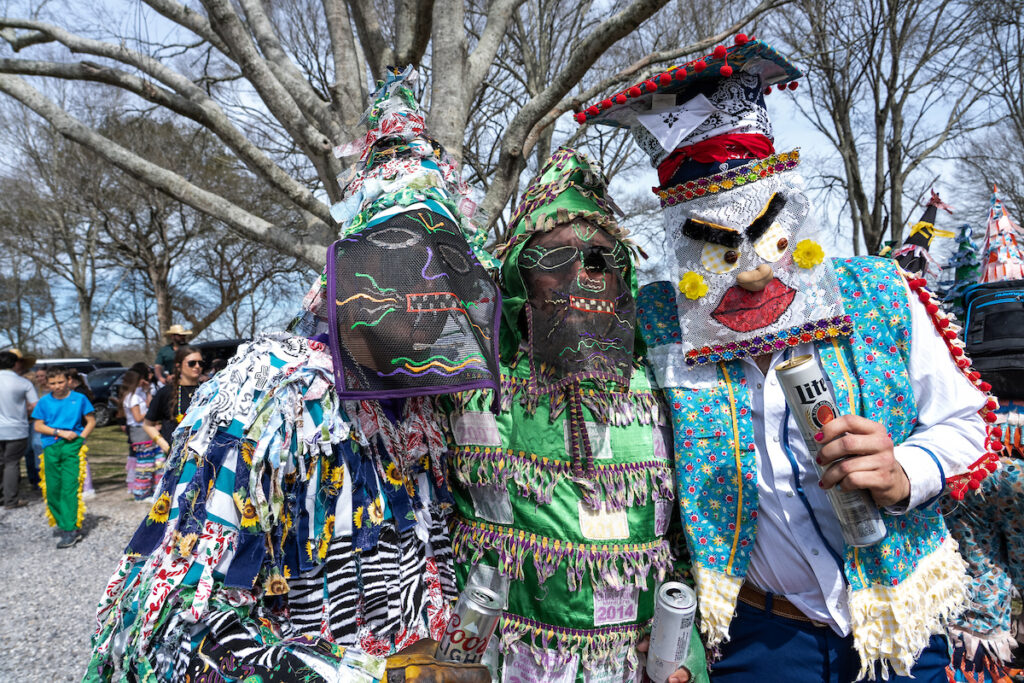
(750,281)
(564,499)
(990,526)
(914,256)
(301,527)
(62,473)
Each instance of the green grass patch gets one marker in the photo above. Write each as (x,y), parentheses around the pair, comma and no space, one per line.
(108,452)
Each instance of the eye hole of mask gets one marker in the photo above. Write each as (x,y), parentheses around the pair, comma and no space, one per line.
(717,258)
(394,238)
(773,243)
(454,258)
(553,259)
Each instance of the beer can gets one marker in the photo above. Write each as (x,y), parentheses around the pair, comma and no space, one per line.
(813,405)
(675,607)
(469,631)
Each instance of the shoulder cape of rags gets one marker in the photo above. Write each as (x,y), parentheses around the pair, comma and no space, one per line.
(269,482)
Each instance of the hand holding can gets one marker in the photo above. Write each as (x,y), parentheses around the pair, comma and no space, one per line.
(813,405)
(675,607)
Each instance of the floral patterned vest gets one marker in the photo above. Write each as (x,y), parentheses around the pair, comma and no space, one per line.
(902,589)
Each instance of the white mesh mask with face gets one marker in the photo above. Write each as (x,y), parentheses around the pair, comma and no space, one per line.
(749,229)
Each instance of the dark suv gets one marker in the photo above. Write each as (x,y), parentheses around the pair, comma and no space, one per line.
(104,384)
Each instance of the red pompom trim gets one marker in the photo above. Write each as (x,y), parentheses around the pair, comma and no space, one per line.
(740,39)
(997,432)
(793,85)
(580,117)
(990,417)
(665,79)
(985,387)
(634,91)
(719,52)
(620,99)
(924,296)
(726,71)
(650,85)
(592,111)
(680,74)
(699,66)
(606,104)
(931,308)
(768,90)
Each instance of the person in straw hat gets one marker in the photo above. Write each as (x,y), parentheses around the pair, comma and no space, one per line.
(177,336)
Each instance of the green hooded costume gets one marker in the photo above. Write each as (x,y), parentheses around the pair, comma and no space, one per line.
(564,499)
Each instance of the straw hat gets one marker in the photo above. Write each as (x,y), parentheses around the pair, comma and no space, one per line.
(27,359)
(178,329)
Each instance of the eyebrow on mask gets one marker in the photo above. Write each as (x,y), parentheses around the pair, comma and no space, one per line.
(697,229)
(764,219)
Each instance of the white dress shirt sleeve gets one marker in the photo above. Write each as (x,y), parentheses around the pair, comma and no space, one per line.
(950,434)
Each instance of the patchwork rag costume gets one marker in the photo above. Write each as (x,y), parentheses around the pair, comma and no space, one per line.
(300,531)
(990,526)
(779,593)
(564,498)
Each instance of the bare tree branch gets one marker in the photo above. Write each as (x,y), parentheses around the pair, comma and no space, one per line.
(240,220)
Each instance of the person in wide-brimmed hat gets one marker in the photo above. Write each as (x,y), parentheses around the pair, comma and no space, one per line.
(164,363)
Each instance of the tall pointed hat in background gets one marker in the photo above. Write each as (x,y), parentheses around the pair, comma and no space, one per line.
(913,256)
(1001,253)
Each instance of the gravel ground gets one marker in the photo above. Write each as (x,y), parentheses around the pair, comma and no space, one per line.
(47,596)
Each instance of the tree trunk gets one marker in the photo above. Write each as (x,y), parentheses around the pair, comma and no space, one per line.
(85,324)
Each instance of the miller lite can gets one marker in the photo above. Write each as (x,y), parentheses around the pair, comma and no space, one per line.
(675,607)
(814,406)
(469,631)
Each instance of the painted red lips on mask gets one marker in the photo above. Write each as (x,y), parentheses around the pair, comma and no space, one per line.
(744,311)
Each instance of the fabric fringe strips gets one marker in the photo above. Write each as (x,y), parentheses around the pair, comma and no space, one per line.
(608,566)
(892,624)
(617,408)
(619,485)
(596,647)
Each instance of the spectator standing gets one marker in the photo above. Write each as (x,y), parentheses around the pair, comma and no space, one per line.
(78,383)
(135,400)
(22,367)
(177,336)
(171,402)
(65,419)
(17,399)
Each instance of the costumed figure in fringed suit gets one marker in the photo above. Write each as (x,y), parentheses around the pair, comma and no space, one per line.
(780,596)
(989,526)
(564,499)
(301,529)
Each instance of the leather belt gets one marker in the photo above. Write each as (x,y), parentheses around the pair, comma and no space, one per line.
(780,606)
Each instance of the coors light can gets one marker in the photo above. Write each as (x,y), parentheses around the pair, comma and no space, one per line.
(470,629)
(674,609)
(814,406)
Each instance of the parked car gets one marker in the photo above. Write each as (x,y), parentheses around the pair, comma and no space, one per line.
(83,365)
(217,350)
(104,383)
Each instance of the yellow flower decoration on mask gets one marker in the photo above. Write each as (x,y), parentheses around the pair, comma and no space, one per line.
(693,285)
(808,254)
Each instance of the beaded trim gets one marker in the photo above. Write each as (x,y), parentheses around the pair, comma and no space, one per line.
(612,565)
(727,180)
(618,485)
(828,328)
(945,323)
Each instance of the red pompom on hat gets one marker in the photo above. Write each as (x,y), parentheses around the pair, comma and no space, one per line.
(680,74)
(740,39)
(580,117)
(719,52)
(793,85)
(726,71)
(665,79)
(593,111)
(634,91)
(699,65)
(606,104)
(620,99)
(650,85)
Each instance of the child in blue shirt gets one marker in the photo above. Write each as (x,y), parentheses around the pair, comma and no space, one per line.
(64,418)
